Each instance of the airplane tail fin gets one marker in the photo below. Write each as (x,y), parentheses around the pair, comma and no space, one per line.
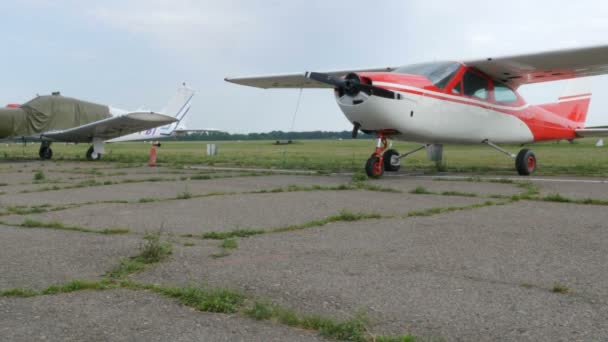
(573,103)
(178,107)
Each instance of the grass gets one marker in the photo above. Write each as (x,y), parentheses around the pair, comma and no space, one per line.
(115,231)
(232,234)
(420,190)
(208,300)
(76,285)
(350,330)
(19,292)
(153,250)
(184,195)
(560,288)
(407,338)
(29,223)
(39,176)
(581,158)
(441,210)
(227,245)
(343,216)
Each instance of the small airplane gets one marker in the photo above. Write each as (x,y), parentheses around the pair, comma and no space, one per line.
(55,118)
(470,102)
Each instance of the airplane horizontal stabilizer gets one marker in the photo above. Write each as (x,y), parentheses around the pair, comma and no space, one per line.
(592,132)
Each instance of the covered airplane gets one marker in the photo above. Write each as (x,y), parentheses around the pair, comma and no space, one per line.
(470,102)
(55,118)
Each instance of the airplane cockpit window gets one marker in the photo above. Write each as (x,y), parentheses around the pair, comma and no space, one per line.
(503,94)
(438,73)
(475,85)
(457,89)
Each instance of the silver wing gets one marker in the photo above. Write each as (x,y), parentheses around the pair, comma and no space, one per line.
(110,128)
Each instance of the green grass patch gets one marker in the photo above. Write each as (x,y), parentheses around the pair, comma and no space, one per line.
(458,193)
(39,176)
(441,210)
(420,190)
(343,216)
(560,288)
(29,223)
(151,251)
(227,245)
(230,243)
(184,195)
(77,285)
(350,330)
(115,231)
(208,300)
(557,198)
(19,292)
(406,338)
(232,234)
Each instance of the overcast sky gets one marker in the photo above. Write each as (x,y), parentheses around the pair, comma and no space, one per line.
(134,53)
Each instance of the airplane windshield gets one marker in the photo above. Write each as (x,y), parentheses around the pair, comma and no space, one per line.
(439,73)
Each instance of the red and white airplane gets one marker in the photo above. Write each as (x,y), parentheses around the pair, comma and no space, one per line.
(471,102)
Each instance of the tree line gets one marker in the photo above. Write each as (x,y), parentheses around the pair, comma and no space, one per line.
(273,135)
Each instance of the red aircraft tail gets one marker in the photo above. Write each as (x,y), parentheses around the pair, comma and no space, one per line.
(574,102)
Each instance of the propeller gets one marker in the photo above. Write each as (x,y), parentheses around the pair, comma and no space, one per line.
(351,85)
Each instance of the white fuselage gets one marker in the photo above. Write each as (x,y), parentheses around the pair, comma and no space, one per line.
(436,118)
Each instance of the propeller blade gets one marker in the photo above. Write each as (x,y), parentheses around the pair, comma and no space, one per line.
(326,78)
(352,85)
(377,91)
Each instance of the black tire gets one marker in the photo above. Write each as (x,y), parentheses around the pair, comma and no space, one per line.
(387,161)
(45,153)
(90,154)
(374,168)
(525,163)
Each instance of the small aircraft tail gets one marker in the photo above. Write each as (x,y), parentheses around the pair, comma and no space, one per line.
(178,107)
(574,101)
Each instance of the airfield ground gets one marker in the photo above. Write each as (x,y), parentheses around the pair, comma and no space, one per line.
(124,252)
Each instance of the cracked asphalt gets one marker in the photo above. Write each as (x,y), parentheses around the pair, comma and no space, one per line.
(477,272)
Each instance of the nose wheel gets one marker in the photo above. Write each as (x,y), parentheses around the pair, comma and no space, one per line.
(91,155)
(374,167)
(381,159)
(45,152)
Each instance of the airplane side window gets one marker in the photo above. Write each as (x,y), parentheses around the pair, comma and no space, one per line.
(475,85)
(503,94)
(457,88)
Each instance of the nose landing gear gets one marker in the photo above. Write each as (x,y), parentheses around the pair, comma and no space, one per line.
(45,152)
(374,167)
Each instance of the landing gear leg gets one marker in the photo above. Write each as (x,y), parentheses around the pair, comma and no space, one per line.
(374,167)
(96,150)
(45,151)
(525,160)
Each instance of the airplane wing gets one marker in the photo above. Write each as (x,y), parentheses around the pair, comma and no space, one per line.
(589,132)
(295,80)
(554,65)
(111,127)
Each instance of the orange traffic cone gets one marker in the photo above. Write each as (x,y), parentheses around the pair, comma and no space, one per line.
(152,156)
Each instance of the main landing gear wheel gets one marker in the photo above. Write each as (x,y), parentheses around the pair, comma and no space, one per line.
(374,167)
(45,153)
(391,165)
(90,154)
(525,163)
